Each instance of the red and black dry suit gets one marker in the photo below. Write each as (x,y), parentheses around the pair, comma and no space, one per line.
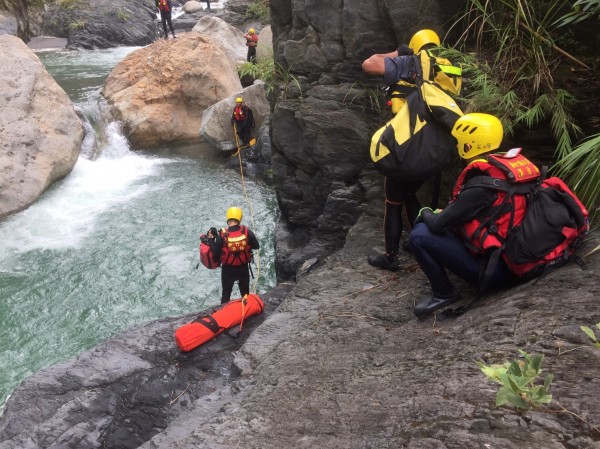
(243,119)
(453,239)
(234,264)
(165,7)
(251,43)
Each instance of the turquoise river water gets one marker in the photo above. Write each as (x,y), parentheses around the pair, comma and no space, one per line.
(115,243)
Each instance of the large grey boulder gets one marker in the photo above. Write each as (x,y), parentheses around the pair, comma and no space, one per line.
(321,132)
(264,49)
(192,6)
(161,90)
(215,125)
(40,133)
(231,38)
(8,24)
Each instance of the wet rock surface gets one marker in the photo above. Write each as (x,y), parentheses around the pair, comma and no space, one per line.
(341,362)
(93,24)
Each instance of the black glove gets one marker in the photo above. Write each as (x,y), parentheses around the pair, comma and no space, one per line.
(422,212)
(404,50)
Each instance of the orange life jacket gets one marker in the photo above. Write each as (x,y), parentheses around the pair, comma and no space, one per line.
(235,251)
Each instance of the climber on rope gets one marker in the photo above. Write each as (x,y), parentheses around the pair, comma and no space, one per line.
(242,120)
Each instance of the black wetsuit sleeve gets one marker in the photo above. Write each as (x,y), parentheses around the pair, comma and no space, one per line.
(252,240)
(467,206)
(215,246)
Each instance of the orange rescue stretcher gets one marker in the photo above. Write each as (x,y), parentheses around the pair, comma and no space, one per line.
(206,328)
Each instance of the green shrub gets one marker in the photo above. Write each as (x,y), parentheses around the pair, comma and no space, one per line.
(274,75)
(66,4)
(259,9)
(517,380)
(77,25)
(590,333)
(123,15)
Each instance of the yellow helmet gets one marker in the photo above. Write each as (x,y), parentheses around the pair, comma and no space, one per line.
(239,100)
(234,213)
(477,133)
(251,31)
(422,38)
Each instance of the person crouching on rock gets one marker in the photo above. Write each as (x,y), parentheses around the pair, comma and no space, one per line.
(165,7)
(234,247)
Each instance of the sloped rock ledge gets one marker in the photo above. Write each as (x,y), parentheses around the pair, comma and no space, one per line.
(342,362)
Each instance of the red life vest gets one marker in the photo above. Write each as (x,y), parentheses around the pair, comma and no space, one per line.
(236,250)
(477,232)
(163,5)
(251,40)
(239,113)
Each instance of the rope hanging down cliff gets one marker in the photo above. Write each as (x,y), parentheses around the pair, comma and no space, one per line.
(249,203)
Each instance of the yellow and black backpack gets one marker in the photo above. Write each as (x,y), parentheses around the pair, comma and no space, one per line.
(435,69)
(416,143)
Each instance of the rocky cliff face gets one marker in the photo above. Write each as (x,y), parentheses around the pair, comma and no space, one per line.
(102,23)
(327,111)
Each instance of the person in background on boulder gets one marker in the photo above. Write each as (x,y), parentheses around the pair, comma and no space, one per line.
(242,119)
(251,43)
(234,247)
(439,239)
(400,194)
(165,7)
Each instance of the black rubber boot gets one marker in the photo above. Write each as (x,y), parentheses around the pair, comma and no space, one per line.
(384,261)
(430,303)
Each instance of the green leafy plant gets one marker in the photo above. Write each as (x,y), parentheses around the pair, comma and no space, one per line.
(123,15)
(515,39)
(273,74)
(581,169)
(259,9)
(77,25)
(367,98)
(590,333)
(582,10)
(65,4)
(518,382)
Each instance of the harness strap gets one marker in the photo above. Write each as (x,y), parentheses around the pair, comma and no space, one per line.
(450,69)
(209,322)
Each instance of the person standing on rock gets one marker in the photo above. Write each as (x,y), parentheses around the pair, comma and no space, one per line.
(242,119)
(165,7)
(251,43)
(234,247)
(399,193)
